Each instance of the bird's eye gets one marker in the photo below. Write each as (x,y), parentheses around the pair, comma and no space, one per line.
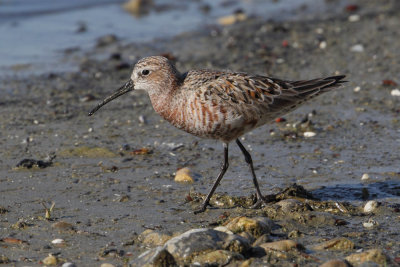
(145,72)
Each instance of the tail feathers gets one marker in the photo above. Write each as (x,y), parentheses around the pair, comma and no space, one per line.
(317,86)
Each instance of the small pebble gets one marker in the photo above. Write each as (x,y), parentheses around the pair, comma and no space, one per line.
(231,19)
(142,119)
(354,18)
(357,89)
(106,265)
(358,48)
(69,264)
(370,206)
(50,260)
(58,241)
(365,176)
(309,134)
(87,98)
(395,92)
(183,176)
(322,45)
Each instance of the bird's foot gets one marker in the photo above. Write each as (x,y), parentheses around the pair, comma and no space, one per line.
(202,209)
(262,200)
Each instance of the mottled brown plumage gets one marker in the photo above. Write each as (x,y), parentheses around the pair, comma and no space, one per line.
(219,105)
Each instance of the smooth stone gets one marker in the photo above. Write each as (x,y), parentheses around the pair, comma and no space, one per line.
(255,226)
(281,245)
(216,258)
(152,238)
(50,260)
(372,255)
(68,264)
(339,243)
(365,176)
(183,176)
(197,241)
(335,263)
(158,256)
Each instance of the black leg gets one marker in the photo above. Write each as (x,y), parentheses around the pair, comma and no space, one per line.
(224,167)
(249,161)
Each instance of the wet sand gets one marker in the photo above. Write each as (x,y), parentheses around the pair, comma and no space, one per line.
(107,194)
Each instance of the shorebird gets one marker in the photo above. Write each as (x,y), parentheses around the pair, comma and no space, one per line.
(220,105)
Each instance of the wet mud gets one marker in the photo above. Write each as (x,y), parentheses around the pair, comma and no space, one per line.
(111,176)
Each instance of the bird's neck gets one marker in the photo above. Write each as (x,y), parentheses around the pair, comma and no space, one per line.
(163,97)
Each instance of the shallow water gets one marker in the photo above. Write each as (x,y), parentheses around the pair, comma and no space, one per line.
(38,32)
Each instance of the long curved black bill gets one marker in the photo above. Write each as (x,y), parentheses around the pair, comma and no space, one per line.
(129,86)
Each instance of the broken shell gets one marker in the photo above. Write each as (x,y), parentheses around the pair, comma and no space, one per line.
(370,206)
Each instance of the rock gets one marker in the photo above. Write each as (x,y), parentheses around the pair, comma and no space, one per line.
(58,242)
(231,19)
(248,236)
(372,255)
(201,241)
(223,229)
(288,206)
(339,243)
(183,176)
(317,219)
(61,225)
(254,226)
(354,18)
(335,263)
(138,7)
(395,92)
(4,259)
(154,257)
(216,258)
(358,48)
(365,176)
(107,265)
(370,206)
(309,134)
(33,163)
(50,260)
(152,238)
(282,245)
(262,239)
(3,210)
(69,264)
(295,234)
(106,40)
